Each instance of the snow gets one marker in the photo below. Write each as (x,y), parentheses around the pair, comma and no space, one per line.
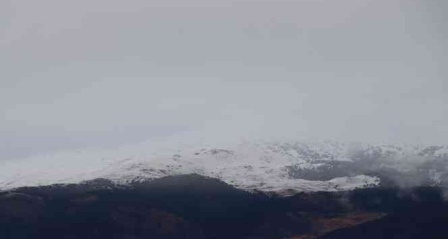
(249,165)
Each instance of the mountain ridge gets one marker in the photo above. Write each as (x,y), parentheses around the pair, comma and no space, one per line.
(269,166)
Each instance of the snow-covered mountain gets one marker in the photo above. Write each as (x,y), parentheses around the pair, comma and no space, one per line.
(270,166)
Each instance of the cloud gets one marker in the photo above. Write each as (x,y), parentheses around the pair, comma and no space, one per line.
(347,70)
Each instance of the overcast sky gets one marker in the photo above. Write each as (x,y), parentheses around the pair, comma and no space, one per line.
(104,73)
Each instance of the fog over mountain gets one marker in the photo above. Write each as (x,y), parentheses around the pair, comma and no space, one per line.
(245,119)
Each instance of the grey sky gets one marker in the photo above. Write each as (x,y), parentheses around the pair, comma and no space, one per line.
(109,72)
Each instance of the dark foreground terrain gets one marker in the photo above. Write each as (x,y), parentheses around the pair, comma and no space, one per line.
(197,207)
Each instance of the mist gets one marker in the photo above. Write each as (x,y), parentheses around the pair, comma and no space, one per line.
(112,73)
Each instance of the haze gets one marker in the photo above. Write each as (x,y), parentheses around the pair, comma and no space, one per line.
(106,73)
